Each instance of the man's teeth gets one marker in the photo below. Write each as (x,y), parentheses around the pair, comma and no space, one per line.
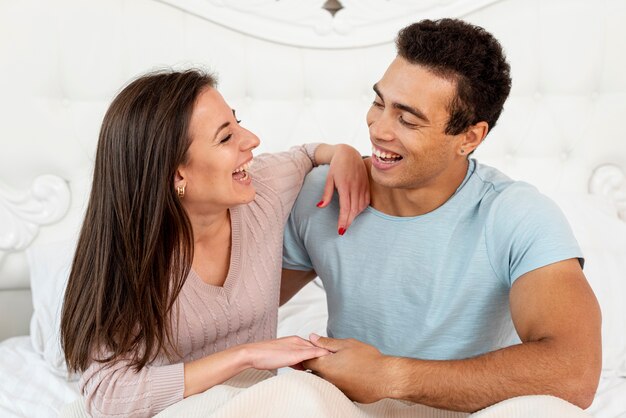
(385,155)
(244,167)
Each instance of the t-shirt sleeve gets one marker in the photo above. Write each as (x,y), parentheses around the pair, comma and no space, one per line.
(283,173)
(525,231)
(113,389)
(295,254)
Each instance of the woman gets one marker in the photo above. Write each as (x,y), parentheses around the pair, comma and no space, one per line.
(174,286)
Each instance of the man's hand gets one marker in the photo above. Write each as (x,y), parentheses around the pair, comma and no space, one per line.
(354,367)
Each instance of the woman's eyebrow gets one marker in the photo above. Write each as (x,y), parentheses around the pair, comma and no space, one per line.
(222,126)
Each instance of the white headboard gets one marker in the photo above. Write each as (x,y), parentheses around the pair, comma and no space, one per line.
(295,73)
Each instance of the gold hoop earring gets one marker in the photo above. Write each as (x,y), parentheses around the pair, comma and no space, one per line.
(180,190)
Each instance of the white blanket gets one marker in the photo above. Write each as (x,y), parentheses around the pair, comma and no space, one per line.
(256,393)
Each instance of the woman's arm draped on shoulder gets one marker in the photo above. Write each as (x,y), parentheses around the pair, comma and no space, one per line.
(348,174)
(284,173)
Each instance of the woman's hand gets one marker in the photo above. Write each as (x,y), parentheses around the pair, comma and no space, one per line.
(348,174)
(216,368)
(281,352)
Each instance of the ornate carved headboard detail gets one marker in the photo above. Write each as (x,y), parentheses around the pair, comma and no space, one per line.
(331,24)
(24,213)
(609,181)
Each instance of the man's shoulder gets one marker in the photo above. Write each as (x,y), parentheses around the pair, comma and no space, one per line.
(492,177)
(317,176)
(519,206)
(508,199)
(503,187)
(310,193)
(313,186)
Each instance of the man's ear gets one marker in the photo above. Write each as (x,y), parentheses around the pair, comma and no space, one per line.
(473,137)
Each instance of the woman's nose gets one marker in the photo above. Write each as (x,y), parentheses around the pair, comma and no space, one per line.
(250,142)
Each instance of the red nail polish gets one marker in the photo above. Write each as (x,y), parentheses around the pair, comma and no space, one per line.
(320,203)
(342,230)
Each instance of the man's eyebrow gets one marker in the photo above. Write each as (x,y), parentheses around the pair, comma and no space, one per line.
(415,112)
(222,126)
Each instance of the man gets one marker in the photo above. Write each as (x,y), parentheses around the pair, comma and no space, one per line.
(452,257)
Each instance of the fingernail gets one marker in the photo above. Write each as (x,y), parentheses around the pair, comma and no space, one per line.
(314,337)
(342,230)
(320,203)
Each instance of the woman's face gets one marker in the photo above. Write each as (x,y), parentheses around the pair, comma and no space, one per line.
(220,152)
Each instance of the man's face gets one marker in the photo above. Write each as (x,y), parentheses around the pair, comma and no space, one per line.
(406,122)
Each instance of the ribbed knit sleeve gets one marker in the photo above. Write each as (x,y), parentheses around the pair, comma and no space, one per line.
(284,173)
(115,390)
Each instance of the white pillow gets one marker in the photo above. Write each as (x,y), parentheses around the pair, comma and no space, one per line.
(50,266)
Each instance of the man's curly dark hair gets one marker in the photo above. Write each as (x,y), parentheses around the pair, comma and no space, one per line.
(467,54)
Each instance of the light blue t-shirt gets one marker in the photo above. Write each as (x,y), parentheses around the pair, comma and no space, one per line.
(434,286)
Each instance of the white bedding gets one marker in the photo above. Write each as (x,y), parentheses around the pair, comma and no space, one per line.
(29,387)
(259,393)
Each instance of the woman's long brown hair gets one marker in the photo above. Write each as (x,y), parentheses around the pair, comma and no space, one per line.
(136,244)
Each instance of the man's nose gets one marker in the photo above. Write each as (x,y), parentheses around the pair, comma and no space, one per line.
(381,128)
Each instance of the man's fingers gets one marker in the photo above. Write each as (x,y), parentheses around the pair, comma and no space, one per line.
(298,366)
(311,353)
(309,364)
(330,344)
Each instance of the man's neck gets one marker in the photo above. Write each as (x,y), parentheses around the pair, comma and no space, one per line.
(407,202)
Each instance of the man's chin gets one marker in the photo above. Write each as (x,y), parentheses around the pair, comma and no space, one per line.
(384,178)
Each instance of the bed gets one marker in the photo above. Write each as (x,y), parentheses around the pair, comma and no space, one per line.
(296,71)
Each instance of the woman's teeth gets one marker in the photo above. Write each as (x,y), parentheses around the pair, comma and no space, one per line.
(241,173)
(243,167)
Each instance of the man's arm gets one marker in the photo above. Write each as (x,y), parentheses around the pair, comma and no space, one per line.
(292,281)
(558,320)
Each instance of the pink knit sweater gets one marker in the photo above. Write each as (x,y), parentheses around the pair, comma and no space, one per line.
(211,318)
